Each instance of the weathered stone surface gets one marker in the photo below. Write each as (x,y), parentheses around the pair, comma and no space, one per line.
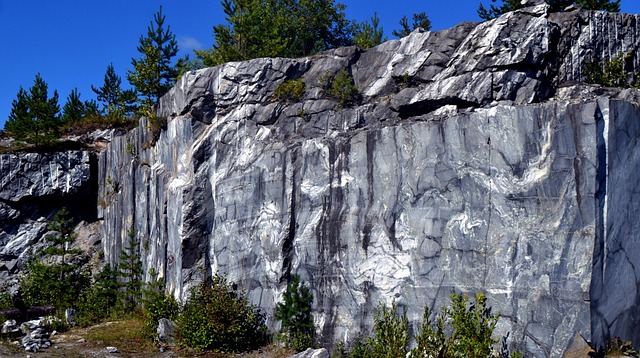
(472,162)
(312,353)
(457,170)
(33,187)
(166,331)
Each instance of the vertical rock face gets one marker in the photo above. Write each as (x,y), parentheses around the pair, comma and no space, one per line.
(33,187)
(454,172)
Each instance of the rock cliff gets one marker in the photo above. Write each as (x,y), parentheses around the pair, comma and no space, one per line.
(473,161)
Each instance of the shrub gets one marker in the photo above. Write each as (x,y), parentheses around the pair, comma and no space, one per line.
(100,300)
(218,318)
(610,73)
(156,304)
(295,314)
(341,88)
(391,332)
(290,90)
(42,284)
(462,329)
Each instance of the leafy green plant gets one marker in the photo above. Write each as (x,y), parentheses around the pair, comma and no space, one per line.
(100,300)
(295,314)
(218,318)
(462,329)
(340,88)
(156,304)
(155,126)
(611,73)
(290,90)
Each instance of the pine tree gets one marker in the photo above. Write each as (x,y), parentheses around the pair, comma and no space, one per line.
(277,28)
(62,224)
(420,20)
(130,273)
(73,110)
(34,116)
(116,101)
(153,74)
(295,314)
(368,34)
(58,283)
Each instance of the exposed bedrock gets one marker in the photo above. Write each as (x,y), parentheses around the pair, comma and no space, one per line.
(473,161)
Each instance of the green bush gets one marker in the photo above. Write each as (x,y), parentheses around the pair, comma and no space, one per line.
(610,73)
(295,314)
(58,285)
(100,300)
(462,329)
(156,304)
(290,90)
(218,318)
(391,332)
(340,88)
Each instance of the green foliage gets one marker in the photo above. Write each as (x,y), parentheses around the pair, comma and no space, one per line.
(34,117)
(153,74)
(391,333)
(186,64)
(368,34)
(611,73)
(472,326)
(462,329)
(290,90)
(295,313)
(116,102)
(276,28)
(218,318)
(130,273)
(64,236)
(156,304)
(420,20)
(155,126)
(58,283)
(340,88)
(6,299)
(101,299)
(555,5)
(41,284)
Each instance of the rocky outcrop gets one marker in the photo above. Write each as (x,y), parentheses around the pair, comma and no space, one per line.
(33,187)
(469,164)
(473,161)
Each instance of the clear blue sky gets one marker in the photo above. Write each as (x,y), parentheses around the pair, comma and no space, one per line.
(71,42)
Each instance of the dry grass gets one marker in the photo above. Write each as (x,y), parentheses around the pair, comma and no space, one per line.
(126,335)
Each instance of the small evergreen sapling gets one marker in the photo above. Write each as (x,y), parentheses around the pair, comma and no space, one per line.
(295,314)
(130,272)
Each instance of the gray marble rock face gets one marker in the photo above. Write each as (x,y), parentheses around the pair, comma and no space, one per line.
(33,187)
(470,163)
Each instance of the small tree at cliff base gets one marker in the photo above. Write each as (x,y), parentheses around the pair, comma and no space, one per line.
(218,318)
(295,314)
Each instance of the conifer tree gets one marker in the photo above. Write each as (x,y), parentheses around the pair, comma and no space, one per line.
(62,224)
(369,34)
(295,314)
(419,20)
(116,101)
(277,28)
(130,272)
(153,74)
(34,116)
(73,110)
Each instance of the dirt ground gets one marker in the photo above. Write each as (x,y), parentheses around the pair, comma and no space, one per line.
(93,341)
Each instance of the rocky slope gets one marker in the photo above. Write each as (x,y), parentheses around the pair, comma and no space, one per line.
(473,162)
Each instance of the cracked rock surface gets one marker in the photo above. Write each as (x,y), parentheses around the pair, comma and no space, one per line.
(473,161)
